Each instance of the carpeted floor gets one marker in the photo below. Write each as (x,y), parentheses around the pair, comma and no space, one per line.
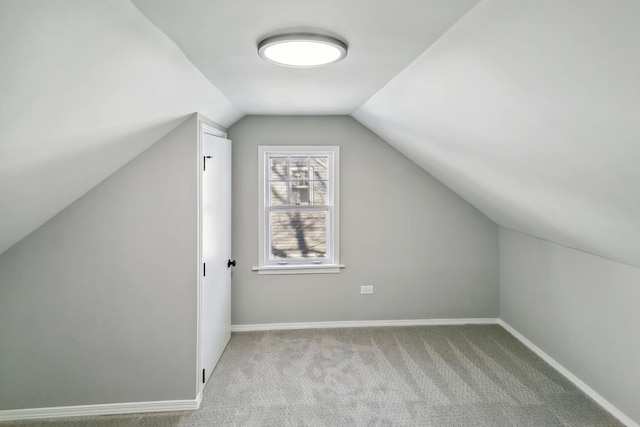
(474,375)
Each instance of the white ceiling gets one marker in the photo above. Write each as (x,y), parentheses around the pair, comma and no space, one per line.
(530,110)
(85,86)
(220,37)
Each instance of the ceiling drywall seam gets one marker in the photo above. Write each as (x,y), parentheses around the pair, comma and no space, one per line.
(417,58)
(229,117)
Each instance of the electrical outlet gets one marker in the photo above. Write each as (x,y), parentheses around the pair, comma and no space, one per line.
(366,290)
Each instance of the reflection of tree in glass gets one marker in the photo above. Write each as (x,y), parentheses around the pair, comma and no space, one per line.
(298,234)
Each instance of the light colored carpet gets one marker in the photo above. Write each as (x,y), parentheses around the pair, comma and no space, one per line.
(475,375)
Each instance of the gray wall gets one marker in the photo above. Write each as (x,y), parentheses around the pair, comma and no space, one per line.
(98,305)
(580,309)
(428,253)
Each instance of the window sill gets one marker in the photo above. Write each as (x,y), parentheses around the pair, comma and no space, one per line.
(299,269)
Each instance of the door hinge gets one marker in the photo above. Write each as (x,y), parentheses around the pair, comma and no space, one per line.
(204,268)
(203,376)
(204,162)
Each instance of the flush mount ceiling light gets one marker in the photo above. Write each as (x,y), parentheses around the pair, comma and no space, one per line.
(302,50)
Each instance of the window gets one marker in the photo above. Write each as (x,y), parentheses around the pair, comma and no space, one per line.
(298,209)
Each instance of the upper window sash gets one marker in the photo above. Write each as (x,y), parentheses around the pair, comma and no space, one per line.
(299,180)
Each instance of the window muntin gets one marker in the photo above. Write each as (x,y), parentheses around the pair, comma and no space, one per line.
(298,206)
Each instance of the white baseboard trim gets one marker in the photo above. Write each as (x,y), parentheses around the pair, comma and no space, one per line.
(95,410)
(360,324)
(575,380)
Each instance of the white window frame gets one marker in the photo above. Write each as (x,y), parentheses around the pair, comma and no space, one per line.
(299,266)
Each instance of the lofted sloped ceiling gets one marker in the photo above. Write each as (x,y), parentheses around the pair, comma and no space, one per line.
(530,110)
(527,109)
(88,84)
(85,85)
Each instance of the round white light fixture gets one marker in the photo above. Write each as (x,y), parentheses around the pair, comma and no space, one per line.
(302,50)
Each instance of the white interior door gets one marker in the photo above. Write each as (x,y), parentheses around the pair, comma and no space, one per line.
(216,250)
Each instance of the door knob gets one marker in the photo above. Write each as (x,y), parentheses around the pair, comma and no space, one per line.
(231,263)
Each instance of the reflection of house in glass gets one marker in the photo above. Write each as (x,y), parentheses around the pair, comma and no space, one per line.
(299,214)
(301,192)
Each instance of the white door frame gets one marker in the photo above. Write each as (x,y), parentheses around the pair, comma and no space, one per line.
(204,126)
